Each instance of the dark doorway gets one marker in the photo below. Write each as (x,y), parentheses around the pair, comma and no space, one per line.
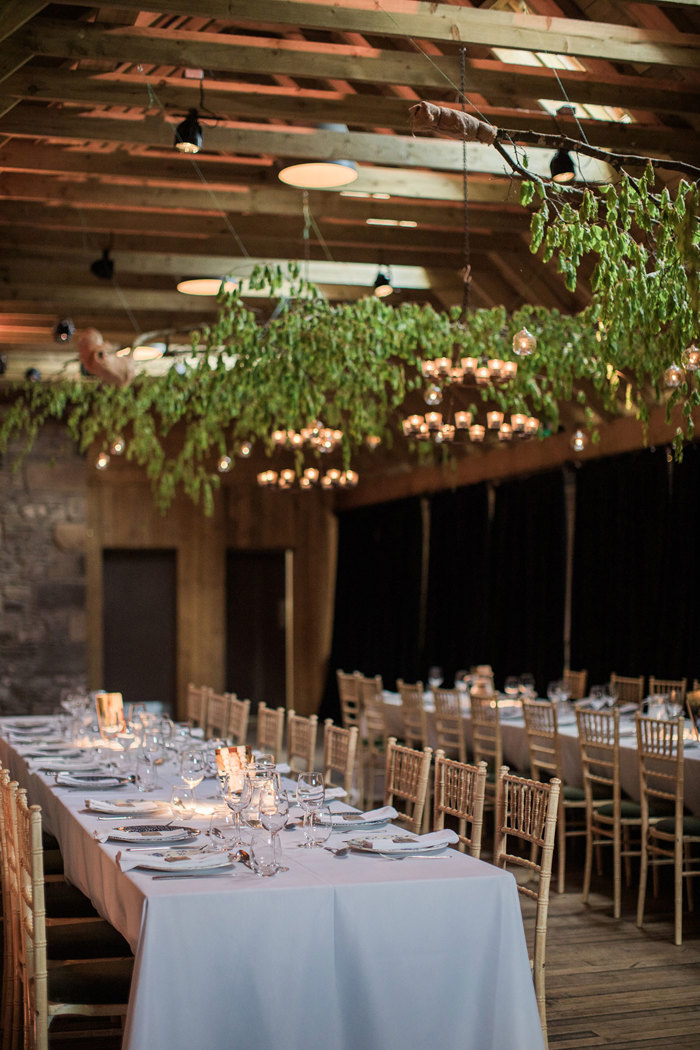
(256,625)
(139,625)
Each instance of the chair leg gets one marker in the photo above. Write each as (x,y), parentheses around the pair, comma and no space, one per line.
(689,881)
(678,892)
(617,872)
(626,849)
(589,863)
(643,865)
(561,851)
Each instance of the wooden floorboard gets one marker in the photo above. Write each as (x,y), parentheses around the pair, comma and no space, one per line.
(611,985)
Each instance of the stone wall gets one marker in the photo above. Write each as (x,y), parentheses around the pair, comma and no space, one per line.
(42,574)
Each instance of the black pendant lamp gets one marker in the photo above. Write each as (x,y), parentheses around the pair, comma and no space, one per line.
(188,134)
(562,167)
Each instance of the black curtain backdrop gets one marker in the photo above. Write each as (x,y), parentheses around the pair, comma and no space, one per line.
(527,574)
(681,577)
(377,597)
(455,623)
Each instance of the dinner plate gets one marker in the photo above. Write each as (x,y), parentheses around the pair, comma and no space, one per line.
(61,764)
(174,861)
(30,725)
(50,753)
(152,833)
(341,822)
(95,782)
(365,845)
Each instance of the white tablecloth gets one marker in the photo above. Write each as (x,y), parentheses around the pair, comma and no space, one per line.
(335,954)
(516,754)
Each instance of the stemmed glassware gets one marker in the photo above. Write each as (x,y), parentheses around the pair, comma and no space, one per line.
(511,687)
(527,686)
(311,794)
(192,768)
(435,677)
(238,793)
(274,809)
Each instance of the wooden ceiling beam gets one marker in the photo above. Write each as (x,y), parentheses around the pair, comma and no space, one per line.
(131,198)
(15,13)
(75,86)
(445,23)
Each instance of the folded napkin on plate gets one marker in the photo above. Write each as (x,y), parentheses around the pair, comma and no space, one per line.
(433,840)
(123,806)
(628,709)
(55,765)
(352,820)
(171,860)
(76,780)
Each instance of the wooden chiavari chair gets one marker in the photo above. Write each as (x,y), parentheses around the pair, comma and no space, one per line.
(668,686)
(541,726)
(629,690)
(196,705)
(98,987)
(237,726)
(270,730)
(692,703)
(459,793)
(375,736)
(301,741)
(217,713)
(665,840)
(487,743)
(413,714)
(575,682)
(349,693)
(449,723)
(527,812)
(339,753)
(407,774)
(609,816)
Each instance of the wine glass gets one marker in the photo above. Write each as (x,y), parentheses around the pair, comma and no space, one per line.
(554,692)
(612,691)
(192,767)
(238,796)
(527,686)
(435,677)
(311,794)
(125,739)
(274,809)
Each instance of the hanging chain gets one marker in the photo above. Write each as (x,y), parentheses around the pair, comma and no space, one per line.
(306,234)
(466,261)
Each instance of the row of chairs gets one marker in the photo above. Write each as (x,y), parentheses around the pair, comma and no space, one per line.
(59,957)
(526,812)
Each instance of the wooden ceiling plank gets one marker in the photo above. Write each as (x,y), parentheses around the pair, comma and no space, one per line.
(13,55)
(15,13)
(73,86)
(486,27)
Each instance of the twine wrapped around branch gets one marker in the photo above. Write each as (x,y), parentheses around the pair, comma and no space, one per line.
(452,123)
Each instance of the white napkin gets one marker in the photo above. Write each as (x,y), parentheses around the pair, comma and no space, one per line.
(123,806)
(55,765)
(158,859)
(628,709)
(340,820)
(420,842)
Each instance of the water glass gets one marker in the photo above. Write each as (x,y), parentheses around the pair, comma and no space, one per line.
(182,803)
(318,831)
(263,854)
(435,677)
(311,794)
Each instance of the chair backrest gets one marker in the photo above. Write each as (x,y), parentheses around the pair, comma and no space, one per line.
(339,753)
(348,691)
(32,956)
(449,723)
(407,773)
(660,753)
(669,686)
(373,711)
(415,720)
(216,718)
(9,858)
(629,690)
(196,706)
(526,811)
(541,726)
(459,792)
(486,733)
(238,715)
(301,741)
(575,682)
(270,731)
(599,746)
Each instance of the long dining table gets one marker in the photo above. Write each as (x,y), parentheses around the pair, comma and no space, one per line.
(335,953)
(516,752)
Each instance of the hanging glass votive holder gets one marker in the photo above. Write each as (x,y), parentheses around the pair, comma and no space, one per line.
(524,343)
(505,432)
(311,474)
(673,377)
(433,420)
(448,432)
(494,420)
(470,365)
(482,375)
(477,432)
(518,421)
(690,358)
(532,425)
(433,395)
(463,420)
(495,367)
(579,440)
(509,370)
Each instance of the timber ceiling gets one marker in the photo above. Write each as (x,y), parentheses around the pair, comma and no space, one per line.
(90,96)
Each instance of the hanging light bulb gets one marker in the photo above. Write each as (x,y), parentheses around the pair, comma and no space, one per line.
(382,286)
(188,134)
(244,449)
(433,395)
(562,167)
(524,343)
(373,441)
(117,447)
(63,331)
(690,358)
(224,465)
(673,377)
(102,461)
(579,440)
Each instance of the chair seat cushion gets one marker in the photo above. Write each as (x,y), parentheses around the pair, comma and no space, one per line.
(107,981)
(629,810)
(64,901)
(573,794)
(85,940)
(691,826)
